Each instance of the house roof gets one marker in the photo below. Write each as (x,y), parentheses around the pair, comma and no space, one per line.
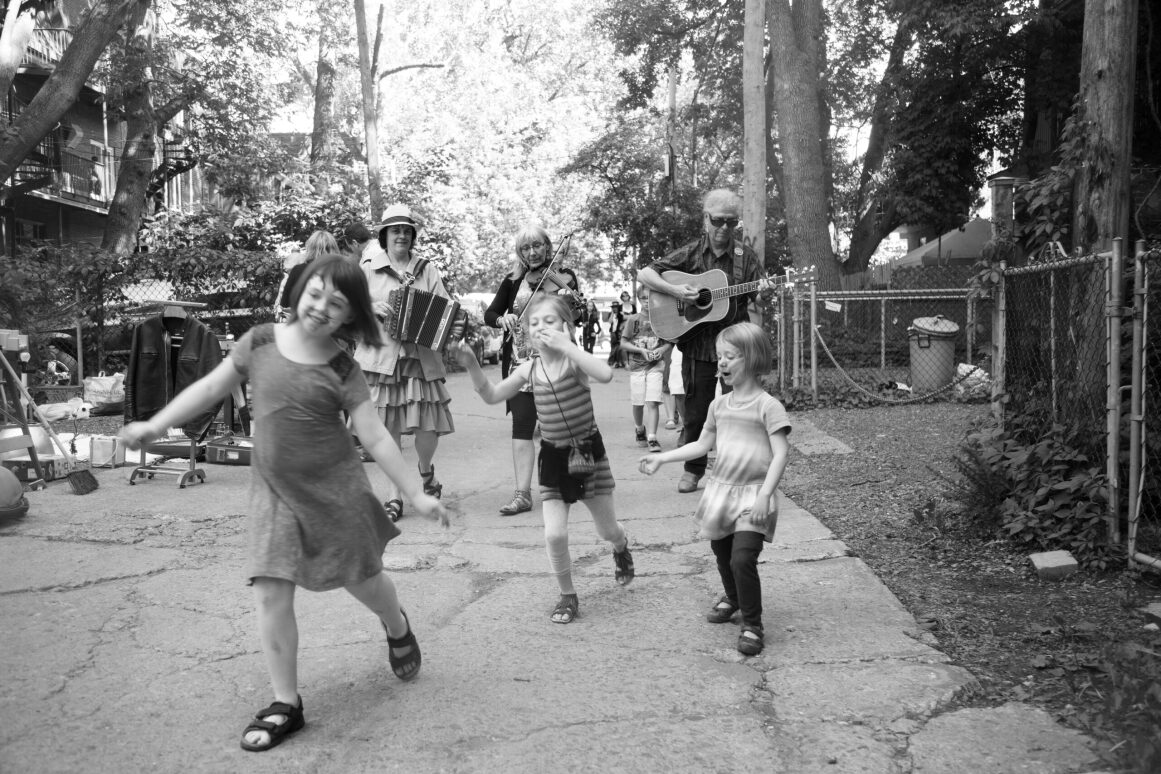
(958,246)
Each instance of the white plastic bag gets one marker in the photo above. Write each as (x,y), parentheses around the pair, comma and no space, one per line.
(106,393)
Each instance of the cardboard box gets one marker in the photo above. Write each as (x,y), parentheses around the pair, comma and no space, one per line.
(106,451)
(230,450)
(52,465)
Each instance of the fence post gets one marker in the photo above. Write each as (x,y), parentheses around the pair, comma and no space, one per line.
(1136,408)
(782,340)
(814,339)
(797,335)
(883,334)
(1052,343)
(1114,299)
(999,345)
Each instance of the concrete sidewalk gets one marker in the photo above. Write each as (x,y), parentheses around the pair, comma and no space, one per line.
(128,641)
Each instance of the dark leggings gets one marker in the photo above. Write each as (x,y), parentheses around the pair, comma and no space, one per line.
(737,556)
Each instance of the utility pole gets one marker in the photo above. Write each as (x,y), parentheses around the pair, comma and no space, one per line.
(754,128)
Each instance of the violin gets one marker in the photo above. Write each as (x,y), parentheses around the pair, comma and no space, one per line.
(560,281)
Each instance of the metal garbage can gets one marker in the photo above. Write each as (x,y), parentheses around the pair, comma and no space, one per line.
(932,352)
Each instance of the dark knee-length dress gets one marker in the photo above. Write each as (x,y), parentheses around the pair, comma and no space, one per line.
(314,518)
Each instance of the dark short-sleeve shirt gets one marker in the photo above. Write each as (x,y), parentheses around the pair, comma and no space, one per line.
(698,257)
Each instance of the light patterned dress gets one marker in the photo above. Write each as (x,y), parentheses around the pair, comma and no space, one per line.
(743,458)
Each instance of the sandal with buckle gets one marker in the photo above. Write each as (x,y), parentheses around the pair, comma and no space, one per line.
(521,502)
(394,509)
(566,610)
(405,667)
(275,732)
(751,640)
(430,485)
(722,612)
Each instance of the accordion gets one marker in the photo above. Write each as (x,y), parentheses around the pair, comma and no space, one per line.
(424,318)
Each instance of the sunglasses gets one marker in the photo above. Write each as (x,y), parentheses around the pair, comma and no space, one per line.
(719,222)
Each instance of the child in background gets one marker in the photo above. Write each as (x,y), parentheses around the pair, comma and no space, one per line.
(646,355)
(314,520)
(675,395)
(559,372)
(739,508)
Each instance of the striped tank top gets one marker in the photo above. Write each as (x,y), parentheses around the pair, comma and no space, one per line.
(571,406)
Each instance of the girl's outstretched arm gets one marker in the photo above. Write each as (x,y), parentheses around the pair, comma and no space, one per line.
(380,445)
(188,403)
(491,392)
(691,451)
(594,367)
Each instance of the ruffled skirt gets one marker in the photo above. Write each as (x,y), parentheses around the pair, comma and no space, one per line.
(406,402)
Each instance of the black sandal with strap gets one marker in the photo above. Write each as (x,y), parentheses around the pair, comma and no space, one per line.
(405,667)
(430,485)
(722,612)
(275,732)
(566,610)
(394,509)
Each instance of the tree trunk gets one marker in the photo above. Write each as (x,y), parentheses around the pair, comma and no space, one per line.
(876,212)
(1107,74)
(755,128)
(322,138)
(795,38)
(368,82)
(60,91)
(143,122)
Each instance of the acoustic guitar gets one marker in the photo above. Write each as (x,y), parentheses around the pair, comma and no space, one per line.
(673,318)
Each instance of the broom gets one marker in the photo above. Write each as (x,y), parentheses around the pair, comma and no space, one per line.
(82,481)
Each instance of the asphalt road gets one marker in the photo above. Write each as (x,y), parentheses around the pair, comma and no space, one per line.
(128,641)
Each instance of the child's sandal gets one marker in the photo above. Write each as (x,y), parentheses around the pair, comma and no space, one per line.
(430,485)
(722,612)
(751,640)
(405,667)
(394,509)
(566,610)
(275,732)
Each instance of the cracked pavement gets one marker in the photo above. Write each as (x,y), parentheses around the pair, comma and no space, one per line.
(128,642)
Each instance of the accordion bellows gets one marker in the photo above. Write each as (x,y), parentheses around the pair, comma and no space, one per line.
(424,318)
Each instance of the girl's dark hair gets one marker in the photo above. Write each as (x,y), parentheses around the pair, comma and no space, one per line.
(348,279)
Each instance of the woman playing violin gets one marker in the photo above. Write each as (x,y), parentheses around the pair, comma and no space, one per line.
(531,268)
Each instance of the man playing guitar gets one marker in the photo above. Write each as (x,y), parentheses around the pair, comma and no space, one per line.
(717,248)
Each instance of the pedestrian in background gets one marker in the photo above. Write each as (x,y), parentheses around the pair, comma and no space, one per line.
(675,392)
(616,325)
(317,244)
(592,326)
(738,511)
(559,373)
(314,520)
(645,356)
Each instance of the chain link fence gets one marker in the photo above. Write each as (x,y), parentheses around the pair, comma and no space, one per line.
(1143,486)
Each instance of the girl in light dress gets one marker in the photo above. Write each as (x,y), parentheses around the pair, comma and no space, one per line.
(314,520)
(559,373)
(738,510)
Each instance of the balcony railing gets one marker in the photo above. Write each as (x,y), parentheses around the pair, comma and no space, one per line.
(46,47)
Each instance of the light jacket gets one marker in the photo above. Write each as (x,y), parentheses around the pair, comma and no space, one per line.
(375,266)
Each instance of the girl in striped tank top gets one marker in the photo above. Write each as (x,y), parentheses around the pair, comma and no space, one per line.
(559,375)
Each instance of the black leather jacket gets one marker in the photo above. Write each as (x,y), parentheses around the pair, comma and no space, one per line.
(155,375)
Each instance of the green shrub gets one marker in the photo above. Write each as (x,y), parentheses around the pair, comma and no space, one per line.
(1036,489)
(1133,703)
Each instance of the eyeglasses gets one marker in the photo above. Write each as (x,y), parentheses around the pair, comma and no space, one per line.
(531,246)
(719,222)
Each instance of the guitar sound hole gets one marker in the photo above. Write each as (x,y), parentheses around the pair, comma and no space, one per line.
(704,298)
